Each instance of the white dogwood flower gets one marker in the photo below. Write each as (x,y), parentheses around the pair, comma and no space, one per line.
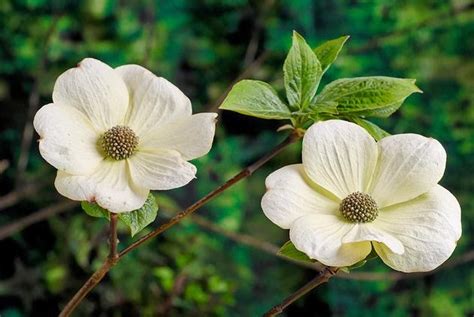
(114,134)
(352,194)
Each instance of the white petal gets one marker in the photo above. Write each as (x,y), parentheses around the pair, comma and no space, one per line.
(339,156)
(161,169)
(320,237)
(291,194)
(68,141)
(95,89)
(428,226)
(191,136)
(409,165)
(110,186)
(154,101)
(370,232)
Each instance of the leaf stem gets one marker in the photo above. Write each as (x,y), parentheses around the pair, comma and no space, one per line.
(114,258)
(321,278)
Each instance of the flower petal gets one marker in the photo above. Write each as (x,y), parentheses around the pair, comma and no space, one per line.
(369,232)
(161,169)
(96,90)
(409,165)
(291,194)
(339,156)
(191,136)
(110,186)
(154,101)
(68,140)
(428,226)
(320,237)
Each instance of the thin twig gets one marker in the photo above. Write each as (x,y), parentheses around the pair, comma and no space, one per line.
(44,213)
(273,249)
(113,236)
(243,174)
(321,278)
(109,262)
(15,196)
(253,242)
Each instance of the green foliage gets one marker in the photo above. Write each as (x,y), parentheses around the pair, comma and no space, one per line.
(290,251)
(94,210)
(368,96)
(358,97)
(375,131)
(256,98)
(302,73)
(328,51)
(201,46)
(136,220)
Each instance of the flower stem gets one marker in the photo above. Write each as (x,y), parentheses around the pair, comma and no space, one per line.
(321,278)
(113,257)
(99,274)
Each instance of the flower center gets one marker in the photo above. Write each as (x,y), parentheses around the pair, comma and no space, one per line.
(119,142)
(359,207)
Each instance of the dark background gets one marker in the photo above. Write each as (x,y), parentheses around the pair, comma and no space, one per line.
(49,246)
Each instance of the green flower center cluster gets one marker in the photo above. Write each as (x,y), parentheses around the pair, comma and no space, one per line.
(119,142)
(359,207)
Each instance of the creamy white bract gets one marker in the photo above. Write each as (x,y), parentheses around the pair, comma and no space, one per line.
(114,134)
(418,221)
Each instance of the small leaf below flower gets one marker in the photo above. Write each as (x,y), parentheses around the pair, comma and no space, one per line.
(94,210)
(138,219)
(289,250)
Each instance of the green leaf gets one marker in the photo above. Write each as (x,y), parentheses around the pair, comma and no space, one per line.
(328,51)
(368,96)
(257,99)
(302,73)
(94,210)
(289,250)
(138,219)
(329,107)
(374,130)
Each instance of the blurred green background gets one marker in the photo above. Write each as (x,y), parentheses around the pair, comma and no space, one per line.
(220,262)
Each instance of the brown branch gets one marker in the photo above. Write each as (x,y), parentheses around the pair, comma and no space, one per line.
(321,278)
(253,242)
(44,213)
(113,236)
(15,196)
(243,174)
(110,262)
(4,164)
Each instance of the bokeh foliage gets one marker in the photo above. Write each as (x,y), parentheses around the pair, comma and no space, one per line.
(202,46)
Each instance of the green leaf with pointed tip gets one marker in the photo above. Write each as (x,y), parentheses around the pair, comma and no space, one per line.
(94,210)
(138,219)
(329,107)
(289,250)
(368,96)
(257,99)
(302,73)
(374,130)
(328,51)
